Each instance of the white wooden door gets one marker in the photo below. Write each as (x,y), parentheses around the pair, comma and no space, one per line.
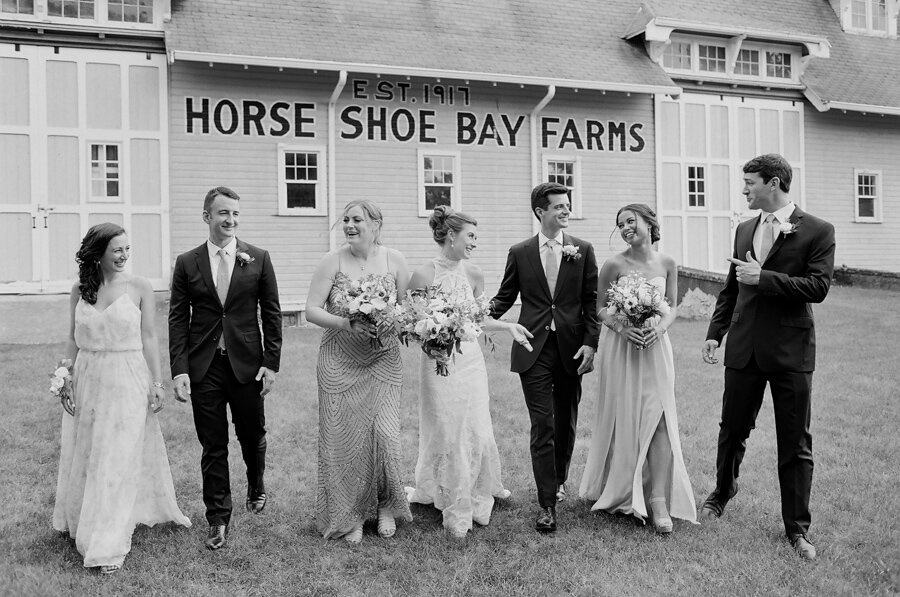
(83,135)
(702,143)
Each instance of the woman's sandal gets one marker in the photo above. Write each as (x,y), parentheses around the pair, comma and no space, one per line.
(662,522)
(386,525)
(355,536)
(110,569)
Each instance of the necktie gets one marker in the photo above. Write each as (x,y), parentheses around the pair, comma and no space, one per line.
(768,237)
(222,287)
(551,268)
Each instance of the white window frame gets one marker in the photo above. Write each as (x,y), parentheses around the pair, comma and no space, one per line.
(890,14)
(731,55)
(712,59)
(687,187)
(321,184)
(91,198)
(455,187)
(100,18)
(575,160)
(878,197)
(690,56)
(34,8)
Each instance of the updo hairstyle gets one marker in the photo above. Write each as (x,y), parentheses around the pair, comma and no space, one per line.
(647,214)
(444,219)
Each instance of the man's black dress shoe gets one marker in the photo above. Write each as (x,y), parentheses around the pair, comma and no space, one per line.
(216,537)
(713,507)
(256,501)
(546,520)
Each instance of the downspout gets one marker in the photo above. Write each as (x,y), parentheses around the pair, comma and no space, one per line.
(535,162)
(332,174)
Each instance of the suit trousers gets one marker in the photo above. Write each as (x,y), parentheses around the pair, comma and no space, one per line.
(209,398)
(552,397)
(742,399)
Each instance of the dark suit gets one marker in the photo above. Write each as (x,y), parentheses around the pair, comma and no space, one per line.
(549,374)
(196,320)
(771,339)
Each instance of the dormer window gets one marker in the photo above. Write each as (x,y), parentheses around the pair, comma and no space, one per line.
(677,56)
(746,60)
(21,7)
(869,15)
(711,58)
(72,9)
(778,65)
(747,63)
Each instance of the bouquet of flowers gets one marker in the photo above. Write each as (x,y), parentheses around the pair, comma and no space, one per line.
(633,301)
(440,321)
(61,381)
(369,299)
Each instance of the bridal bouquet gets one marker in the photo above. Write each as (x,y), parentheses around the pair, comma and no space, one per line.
(633,301)
(369,299)
(440,322)
(61,380)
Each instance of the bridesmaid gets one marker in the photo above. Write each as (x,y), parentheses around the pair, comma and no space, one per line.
(113,468)
(359,386)
(635,461)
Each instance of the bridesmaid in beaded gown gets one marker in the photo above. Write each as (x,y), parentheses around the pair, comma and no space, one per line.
(359,386)
(113,469)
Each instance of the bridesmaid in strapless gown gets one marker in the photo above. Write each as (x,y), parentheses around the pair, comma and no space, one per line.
(635,465)
(113,470)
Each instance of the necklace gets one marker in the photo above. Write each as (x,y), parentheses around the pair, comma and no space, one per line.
(362,263)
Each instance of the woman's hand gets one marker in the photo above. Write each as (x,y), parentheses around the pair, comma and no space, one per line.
(520,335)
(652,335)
(155,396)
(633,335)
(363,328)
(67,397)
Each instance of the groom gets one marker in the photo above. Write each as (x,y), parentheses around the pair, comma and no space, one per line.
(556,274)
(783,261)
(219,357)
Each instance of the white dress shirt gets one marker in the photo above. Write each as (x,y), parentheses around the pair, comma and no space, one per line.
(546,252)
(781,216)
(214,258)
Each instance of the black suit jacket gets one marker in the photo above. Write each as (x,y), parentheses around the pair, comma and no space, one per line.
(573,305)
(774,320)
(197,318)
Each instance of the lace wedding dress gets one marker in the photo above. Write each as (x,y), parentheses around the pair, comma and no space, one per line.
(458,469)
(113,469)
(637,388)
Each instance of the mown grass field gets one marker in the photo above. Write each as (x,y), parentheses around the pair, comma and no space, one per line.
(855,500)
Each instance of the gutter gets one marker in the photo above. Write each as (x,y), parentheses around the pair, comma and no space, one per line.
(823,105)
(332,175)
(535,163)
(411,71)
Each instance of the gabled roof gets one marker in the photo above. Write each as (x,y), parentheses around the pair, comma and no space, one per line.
(859,73)
(572,43)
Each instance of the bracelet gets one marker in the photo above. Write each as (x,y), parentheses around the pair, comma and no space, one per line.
(157,384)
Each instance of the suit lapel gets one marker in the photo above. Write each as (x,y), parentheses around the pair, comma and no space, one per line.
(779,240)
(533,254)
(202,256)
(743,241)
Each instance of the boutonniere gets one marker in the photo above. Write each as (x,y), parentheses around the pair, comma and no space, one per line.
(244,258)
(786,228)
(570,252)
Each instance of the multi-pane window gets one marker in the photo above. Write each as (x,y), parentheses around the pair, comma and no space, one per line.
(711,59)
(868,196)
(130,11)
(301,174)
(439,174)
(21,7)
(562,172)
(869,15)
(301,181)
(696,179)
(747,63)
(105,171)
(73,9)
(778,65)
(677,55)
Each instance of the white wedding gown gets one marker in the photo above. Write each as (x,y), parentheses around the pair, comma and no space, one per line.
(459,466)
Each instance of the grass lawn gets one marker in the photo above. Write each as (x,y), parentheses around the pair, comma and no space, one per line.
(855,499)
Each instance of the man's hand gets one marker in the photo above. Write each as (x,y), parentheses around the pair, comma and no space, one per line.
(709,351)
(747,271)
(586,354)
(182,387)
(268,378)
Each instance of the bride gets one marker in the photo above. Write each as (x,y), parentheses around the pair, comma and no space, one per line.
(634,462)
(459,466)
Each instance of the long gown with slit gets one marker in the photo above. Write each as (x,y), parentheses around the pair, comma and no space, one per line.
(359,424)
(637,390)
(113,468)
(458,469)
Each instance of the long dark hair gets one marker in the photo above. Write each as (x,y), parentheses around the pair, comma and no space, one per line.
(647,214)
(93,246)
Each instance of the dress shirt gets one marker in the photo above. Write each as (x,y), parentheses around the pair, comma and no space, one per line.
(546,252)
(214,258)
(781,216)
